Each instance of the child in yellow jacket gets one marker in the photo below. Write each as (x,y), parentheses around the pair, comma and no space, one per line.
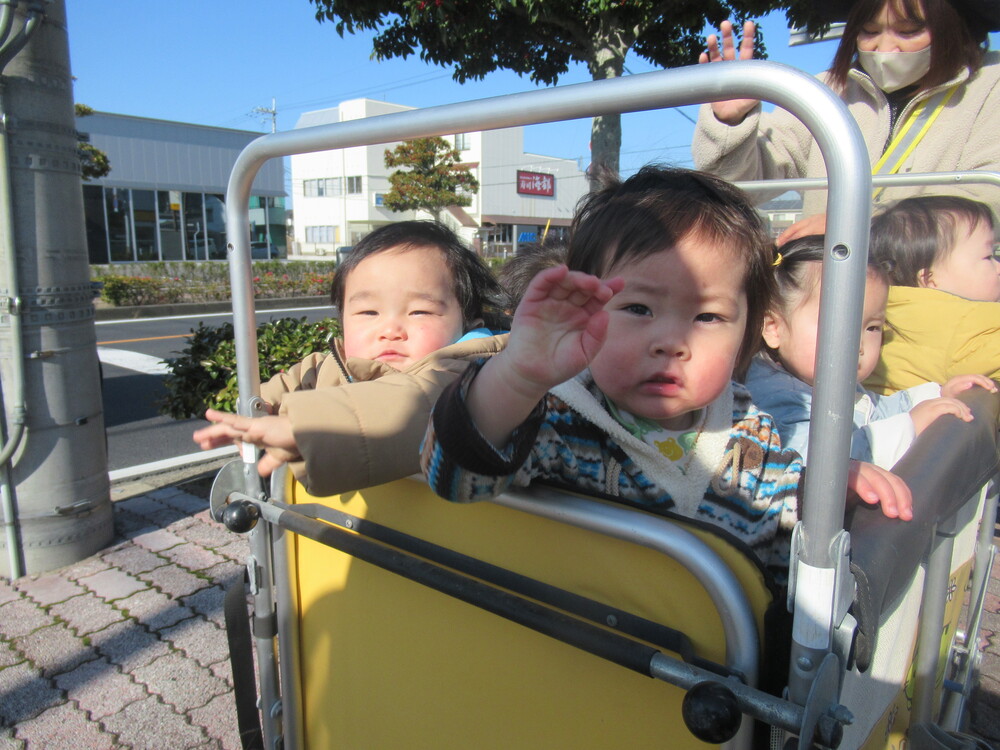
(943,313)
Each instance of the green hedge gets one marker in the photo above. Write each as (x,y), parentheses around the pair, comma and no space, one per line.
(188,281)
(204,375)
(144,290)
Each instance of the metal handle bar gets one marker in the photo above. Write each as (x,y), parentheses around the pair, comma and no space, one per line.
(910,179)
(848,208)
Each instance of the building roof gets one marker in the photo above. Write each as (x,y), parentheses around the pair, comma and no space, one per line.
(163,155)
(524,220)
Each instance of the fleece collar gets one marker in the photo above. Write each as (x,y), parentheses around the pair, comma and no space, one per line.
(686,488)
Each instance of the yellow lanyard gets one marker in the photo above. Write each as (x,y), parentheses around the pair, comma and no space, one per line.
(912,132)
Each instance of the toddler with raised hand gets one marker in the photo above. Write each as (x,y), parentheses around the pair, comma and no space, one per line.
(412,299)
(618,376)
(781,379)
(943,312)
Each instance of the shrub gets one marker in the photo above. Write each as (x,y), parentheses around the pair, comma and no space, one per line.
(138,290)
(204,375)
(205,281)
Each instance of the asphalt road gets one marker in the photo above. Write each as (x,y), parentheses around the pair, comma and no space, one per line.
(132,354)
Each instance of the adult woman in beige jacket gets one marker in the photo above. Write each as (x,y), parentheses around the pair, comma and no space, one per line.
(887,65)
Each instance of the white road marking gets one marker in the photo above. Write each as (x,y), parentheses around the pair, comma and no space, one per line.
(131,472)
(136,361)
(212,315)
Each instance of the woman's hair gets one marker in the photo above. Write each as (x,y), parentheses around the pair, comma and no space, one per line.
(658,207)
(960,39)
(478,293)
(915,233)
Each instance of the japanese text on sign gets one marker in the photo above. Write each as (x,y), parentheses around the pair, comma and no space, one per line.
(535,183)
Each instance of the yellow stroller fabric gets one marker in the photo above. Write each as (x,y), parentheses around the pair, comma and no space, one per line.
(389,663)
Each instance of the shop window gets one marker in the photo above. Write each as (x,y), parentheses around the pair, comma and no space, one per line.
(215,223)
(169,206)
(97,236)
(195,239)
(119,216)
(144,213)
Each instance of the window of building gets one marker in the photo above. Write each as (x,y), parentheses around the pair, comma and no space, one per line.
(321,188)
(215,225)
(144,213)
(463,142)
(97,236)
(169,207)
(354,185)
(195,239)
(321,234)
(118,210)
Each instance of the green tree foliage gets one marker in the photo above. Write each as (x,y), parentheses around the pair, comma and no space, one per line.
(204,374)
(94,163)
(431,177)
(542,38)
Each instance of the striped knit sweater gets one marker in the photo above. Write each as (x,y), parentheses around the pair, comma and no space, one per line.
(740,480)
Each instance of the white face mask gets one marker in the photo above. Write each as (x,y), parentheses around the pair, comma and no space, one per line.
(892,71)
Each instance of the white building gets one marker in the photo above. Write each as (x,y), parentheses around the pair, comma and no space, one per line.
(338,194)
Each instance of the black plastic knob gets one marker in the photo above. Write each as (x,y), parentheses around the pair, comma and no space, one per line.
(240,516)
(710,712)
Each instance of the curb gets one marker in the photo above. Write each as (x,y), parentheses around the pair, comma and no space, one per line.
(195,308)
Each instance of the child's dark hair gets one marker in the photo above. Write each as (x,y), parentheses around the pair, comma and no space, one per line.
(916,232)
(658,207)
(478,293)
(791,268)
(515,275)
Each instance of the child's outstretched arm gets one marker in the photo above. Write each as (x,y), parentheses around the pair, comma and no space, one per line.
(876,486)
(558,327)
(273,433)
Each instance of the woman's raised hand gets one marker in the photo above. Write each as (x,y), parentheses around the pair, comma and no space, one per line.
(732,111)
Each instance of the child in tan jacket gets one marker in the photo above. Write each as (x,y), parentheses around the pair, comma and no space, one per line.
(412,301)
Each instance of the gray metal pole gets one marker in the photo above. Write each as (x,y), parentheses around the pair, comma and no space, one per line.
(59,472)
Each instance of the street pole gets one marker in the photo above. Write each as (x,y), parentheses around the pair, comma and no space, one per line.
(55,488)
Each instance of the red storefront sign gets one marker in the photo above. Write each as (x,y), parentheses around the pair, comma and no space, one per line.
(535,183)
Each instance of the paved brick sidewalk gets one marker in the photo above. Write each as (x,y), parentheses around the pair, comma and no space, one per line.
(126,649)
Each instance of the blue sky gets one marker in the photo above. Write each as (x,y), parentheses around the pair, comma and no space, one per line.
(212,62)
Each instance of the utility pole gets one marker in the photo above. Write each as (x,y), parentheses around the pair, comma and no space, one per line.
(272,113)
(54,488)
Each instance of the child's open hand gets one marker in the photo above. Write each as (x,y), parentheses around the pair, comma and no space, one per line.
(960,383)
(559,326)
(924,413)
(876,486)
(273,434)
